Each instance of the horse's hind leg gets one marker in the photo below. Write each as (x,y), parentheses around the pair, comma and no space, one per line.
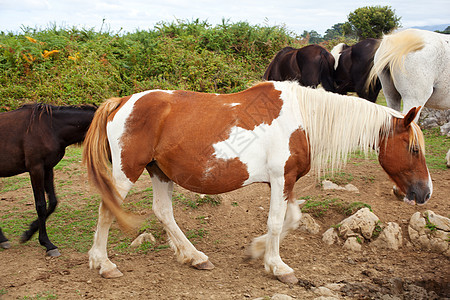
(393,97)
(4,243)
(162,206)
(52,203)
(98,256)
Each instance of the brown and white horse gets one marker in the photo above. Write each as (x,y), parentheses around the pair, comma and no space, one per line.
(273,132)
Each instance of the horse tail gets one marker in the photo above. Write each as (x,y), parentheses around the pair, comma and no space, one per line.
(327,70)
(96,157)
(392,51)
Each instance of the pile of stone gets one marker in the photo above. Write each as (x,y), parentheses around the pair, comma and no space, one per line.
(430,231)
(427,231)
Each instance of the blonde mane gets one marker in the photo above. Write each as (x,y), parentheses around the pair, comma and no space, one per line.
(337,125)
(392,51)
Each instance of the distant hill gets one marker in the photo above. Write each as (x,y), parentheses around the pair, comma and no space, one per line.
(440,27)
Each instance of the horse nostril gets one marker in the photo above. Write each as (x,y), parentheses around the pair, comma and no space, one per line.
(428,196)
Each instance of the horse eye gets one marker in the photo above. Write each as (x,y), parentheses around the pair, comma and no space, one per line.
(415,149)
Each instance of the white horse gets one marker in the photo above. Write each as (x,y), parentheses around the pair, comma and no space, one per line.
(414,66)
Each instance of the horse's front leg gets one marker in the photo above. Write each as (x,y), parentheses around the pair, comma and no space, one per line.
(37,182)
(52,203)
(272,260)
(291,222)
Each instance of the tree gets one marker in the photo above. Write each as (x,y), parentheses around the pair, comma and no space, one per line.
(313,36)
(334,32)
(371,22)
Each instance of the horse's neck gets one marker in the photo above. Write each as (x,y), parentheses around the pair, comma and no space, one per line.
(71,127)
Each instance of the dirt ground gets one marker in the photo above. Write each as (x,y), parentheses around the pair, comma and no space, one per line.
(369,274)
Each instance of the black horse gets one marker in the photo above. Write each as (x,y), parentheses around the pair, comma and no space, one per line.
(33,139)
(353,67)
(309,66)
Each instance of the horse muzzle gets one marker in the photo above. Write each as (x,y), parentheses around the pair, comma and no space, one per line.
(416,194)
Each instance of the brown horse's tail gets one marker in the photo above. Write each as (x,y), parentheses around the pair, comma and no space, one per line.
(392,51)
(96,157)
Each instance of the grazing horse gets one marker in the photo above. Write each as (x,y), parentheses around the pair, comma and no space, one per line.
(352,68)
(309,66)
(274,133)
(414,66)
(34,138)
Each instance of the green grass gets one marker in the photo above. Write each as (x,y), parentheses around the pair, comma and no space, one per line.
(436,147)
(14,183)
(319,206)
(46,296)
(340,178)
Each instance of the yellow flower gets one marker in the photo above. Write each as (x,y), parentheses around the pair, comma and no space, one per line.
(28,57)
(74,58)
(31,39)
(49,53)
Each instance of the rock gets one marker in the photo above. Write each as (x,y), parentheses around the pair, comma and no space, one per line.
(281,297)
(445,129)
(430,231)
(351,188)
(328,185)
(144,237)
(390,237)
(308,224)
(352,244)
(363,222)
(323,291)
(447,158)
(439,221)
(330,236)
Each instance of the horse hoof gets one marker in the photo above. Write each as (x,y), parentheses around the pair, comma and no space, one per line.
(207,265)
(53,253)
(288,278)
(114,273)
(5,245)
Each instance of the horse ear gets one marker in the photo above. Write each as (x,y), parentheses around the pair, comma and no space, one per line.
(411,115)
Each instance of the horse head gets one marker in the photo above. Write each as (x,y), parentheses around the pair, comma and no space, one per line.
(402,157)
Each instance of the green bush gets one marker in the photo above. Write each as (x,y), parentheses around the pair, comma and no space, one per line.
(75,66)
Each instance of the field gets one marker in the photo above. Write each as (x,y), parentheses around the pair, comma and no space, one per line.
(221,226)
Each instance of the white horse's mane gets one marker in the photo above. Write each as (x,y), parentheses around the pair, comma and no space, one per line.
(337,125)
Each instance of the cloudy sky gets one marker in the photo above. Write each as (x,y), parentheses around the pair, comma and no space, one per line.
(296,15)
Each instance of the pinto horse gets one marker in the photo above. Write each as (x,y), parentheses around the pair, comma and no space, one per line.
(309,66)
(352,68)
(274,133)
(34,138)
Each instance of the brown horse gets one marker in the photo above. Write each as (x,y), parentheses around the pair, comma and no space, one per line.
(34,139)
(309,66)
(273,132)
(352,68)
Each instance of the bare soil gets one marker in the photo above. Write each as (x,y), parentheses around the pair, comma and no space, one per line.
(370,274)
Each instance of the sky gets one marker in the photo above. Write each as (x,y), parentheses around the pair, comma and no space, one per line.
(132,15)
